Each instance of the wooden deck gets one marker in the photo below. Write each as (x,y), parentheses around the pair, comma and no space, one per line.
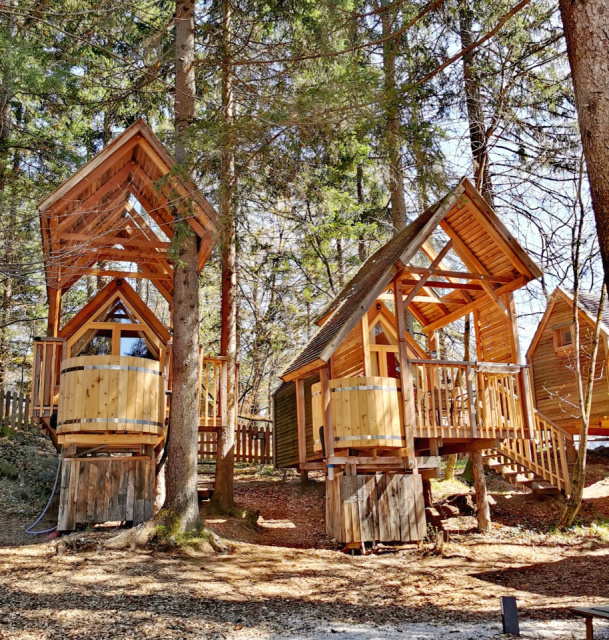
(462,403)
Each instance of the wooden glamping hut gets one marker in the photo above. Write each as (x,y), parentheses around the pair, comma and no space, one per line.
(100,380)
(374,407)
(550,357)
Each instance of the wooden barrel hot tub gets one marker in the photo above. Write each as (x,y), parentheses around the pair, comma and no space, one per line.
(366,413)
(111,394)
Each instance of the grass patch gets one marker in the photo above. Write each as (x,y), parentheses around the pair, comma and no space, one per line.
(7,470)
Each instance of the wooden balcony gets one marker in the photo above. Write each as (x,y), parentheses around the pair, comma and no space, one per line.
(451,400)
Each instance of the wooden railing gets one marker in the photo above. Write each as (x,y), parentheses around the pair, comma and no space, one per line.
(501,412)
(253,443)
(443,399)
(544,453)
(212,389)
(15,409)
(48,354)
(467,400)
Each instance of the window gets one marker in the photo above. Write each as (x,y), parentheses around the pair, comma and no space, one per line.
(563,340)
(384,359)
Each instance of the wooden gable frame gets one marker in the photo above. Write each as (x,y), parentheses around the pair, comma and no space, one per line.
(495,266)
(559,293)
(91,216)
(117,290)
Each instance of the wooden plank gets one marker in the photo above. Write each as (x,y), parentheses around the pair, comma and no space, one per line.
(464,275)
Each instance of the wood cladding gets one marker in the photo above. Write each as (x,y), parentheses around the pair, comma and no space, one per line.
(286,427)
(109,489)
(367,412)
(493,336)
(111,394)
(382,507)
(554,382)
(348,359)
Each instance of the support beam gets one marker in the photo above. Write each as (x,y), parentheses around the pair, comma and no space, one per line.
(366,344)
(471,262)
(430,252)
(479,444)
(462,275)
(465,309)
(405,368)
(421,283)
(327,414)
(54,312)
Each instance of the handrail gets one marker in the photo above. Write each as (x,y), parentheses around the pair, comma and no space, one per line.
(553,424)
(544,453)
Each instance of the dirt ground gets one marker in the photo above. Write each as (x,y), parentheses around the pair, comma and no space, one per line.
(285,579)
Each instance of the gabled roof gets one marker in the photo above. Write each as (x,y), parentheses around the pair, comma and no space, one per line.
(479,239)
(91,217)
(588,305)
(123,291)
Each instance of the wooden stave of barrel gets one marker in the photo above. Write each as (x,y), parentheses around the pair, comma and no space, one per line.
(370,407)
(111,394)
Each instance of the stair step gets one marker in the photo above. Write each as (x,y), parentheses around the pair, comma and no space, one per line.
(546,489)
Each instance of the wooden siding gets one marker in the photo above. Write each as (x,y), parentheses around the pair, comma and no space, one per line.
(366,413)
(96,490)
(553,373)
(286,428)
(493,335)
(348,359)
(382,507)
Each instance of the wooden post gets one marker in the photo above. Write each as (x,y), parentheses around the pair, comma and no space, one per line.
(366,344)
(405,371)
(54,312)
(301,424)
(484,511)
(327,415)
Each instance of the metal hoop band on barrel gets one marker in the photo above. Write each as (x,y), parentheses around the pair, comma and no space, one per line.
(112,420)
(112,367)
(366,388)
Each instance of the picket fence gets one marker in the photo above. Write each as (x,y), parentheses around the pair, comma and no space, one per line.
(253,443)
(15,410)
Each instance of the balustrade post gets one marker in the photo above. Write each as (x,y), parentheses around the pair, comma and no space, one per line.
(471,403)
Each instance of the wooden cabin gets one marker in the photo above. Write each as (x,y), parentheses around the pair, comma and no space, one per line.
(374,407)
(101,381)
(550,357)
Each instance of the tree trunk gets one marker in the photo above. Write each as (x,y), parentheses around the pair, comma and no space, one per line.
(473,101)
(181,468)
(451,461)
(585,28)
(361,241)
(484,511)
(223,497)
(393,138)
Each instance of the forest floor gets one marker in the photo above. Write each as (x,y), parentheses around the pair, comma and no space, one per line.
(285,579)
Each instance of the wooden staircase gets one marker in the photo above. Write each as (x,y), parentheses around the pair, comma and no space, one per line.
(538,463)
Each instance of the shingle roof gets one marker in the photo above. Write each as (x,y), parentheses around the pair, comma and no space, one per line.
(589,303)
(375,273)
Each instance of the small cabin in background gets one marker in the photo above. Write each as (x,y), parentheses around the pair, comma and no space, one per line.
(101,381)
(550,357)
(375,408)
